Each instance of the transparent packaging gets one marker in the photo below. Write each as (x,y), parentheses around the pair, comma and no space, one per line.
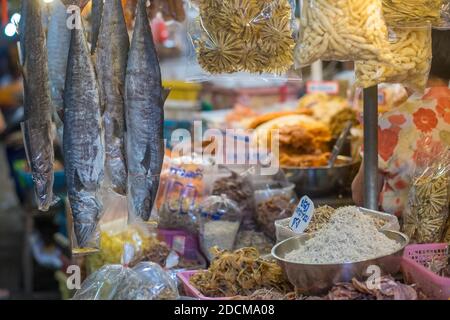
(238,187)
(146,281)
(220,219)
(342,30)
(436,12)
(425,217)
(411,63)
(248,36)
(186,181)
(274,201)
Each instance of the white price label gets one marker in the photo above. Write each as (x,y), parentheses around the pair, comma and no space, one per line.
(302,215)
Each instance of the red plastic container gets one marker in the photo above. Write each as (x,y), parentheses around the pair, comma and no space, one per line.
(189,289)
(415,257)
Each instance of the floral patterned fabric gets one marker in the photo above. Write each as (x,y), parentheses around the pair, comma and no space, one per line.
(408,137)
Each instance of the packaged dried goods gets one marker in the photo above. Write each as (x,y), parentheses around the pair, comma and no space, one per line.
(411,60)
(146,246)
(437,12)
(185,183)
(238,187)
(239,273)
(342,30)
(252,36)
(220,219)
(427,211)
(275,202)
(349,236)
(146,281)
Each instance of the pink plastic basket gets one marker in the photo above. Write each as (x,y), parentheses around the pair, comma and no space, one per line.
(415,258)
(189,289)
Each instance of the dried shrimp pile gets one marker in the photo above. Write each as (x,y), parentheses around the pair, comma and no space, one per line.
(239,273)
(245,35)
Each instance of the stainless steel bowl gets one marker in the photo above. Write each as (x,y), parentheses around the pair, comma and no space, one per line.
(314,279)
(322,181)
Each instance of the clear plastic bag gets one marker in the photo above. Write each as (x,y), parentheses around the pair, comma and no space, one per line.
(436,12)
(277,200)
(146,281)
(38,142)
(411,49)
(428,206)
(342,30)
(238,187)
(220,219)
(230,36)
(186,182)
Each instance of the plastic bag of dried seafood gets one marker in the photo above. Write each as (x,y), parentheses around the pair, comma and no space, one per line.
(411,50)
(342,30)
(277,200)
(184,184)
(220,218)
(237,186)
(146,281)
(428,206)
(437,12)
(243,37)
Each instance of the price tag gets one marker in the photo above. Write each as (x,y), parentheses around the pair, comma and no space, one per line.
(330,87)
(302,215)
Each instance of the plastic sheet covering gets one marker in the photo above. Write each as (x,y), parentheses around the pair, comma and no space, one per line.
(146,281)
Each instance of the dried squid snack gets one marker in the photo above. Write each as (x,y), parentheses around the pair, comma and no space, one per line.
(428,206)
(417,11)
(342,30)
(411,50)
(252,36)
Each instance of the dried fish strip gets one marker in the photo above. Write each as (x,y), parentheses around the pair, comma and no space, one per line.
(342,30)
(239,273)
(260,29)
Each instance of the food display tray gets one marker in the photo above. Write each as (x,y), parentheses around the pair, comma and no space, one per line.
(415,258)
(190,290)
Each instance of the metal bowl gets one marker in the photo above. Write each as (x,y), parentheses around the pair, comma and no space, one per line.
(314,279)
(320,181)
